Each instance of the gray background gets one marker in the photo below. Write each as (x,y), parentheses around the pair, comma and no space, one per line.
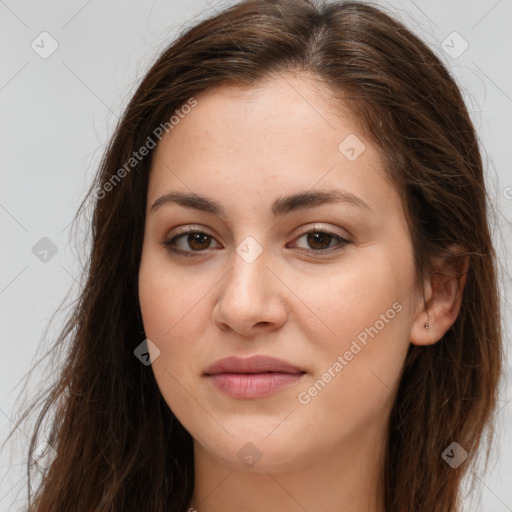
(58,112)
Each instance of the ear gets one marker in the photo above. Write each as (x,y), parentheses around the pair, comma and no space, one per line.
(443,298)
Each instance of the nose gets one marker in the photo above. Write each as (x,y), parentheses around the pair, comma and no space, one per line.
(251,298)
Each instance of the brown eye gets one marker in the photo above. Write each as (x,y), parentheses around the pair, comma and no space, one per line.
(322,241)
(190,243)
(198,241)
(319,240)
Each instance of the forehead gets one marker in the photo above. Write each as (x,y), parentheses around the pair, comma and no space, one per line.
(287,133)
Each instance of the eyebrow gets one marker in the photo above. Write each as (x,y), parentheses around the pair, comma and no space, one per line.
(280,207)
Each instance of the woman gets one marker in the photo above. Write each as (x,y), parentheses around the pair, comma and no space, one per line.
(291,302)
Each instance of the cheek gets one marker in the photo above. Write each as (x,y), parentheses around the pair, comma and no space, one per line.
(357,373)
(172,320)
(174,307)
(167,297)
(360,359)
(169,326)
(365,293)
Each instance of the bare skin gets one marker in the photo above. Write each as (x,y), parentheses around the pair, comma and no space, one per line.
(317,451)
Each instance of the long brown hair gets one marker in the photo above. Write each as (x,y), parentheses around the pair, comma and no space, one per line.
(119,445)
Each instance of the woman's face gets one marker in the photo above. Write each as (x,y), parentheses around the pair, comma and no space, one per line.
(270,274)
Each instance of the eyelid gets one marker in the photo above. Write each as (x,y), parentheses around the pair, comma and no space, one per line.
(342,241)
(185,230)
(318,227)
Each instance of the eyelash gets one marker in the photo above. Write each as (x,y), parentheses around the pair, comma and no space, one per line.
(168,244)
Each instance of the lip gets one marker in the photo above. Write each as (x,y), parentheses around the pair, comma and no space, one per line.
(252,377)
(253,364)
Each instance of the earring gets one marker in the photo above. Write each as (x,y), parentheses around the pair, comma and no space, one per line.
(427,326)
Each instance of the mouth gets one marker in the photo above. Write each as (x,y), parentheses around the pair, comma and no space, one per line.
(252,377)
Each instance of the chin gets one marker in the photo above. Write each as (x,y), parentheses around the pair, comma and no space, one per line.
(259,453)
